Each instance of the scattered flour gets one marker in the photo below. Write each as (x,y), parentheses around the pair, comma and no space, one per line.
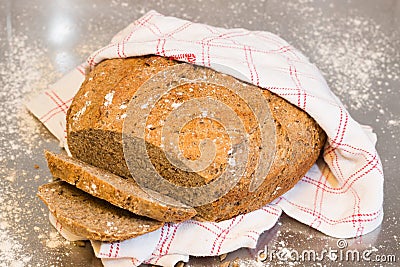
(23,70)
(55,240)
(394,122)
(12,252)
(358,59)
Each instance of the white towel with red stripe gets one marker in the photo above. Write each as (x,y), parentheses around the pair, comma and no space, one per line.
(341,195)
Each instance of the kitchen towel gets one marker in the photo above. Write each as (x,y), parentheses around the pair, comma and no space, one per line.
(341,195)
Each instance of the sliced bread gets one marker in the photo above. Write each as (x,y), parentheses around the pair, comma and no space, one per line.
(90,217)
(124,193)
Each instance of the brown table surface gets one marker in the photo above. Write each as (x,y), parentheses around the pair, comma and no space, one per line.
(356,44)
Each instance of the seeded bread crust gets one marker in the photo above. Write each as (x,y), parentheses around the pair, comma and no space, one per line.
(90,217)
(94,134)
(124,193)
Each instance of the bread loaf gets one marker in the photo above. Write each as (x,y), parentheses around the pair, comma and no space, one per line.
(90,217)
(124,193)
(95,128)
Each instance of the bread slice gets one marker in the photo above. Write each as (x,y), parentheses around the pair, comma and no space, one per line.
(121,192)
(90,217)
(95,132)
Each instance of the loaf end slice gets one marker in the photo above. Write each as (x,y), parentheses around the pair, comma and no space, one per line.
(90,217)
(121,192)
